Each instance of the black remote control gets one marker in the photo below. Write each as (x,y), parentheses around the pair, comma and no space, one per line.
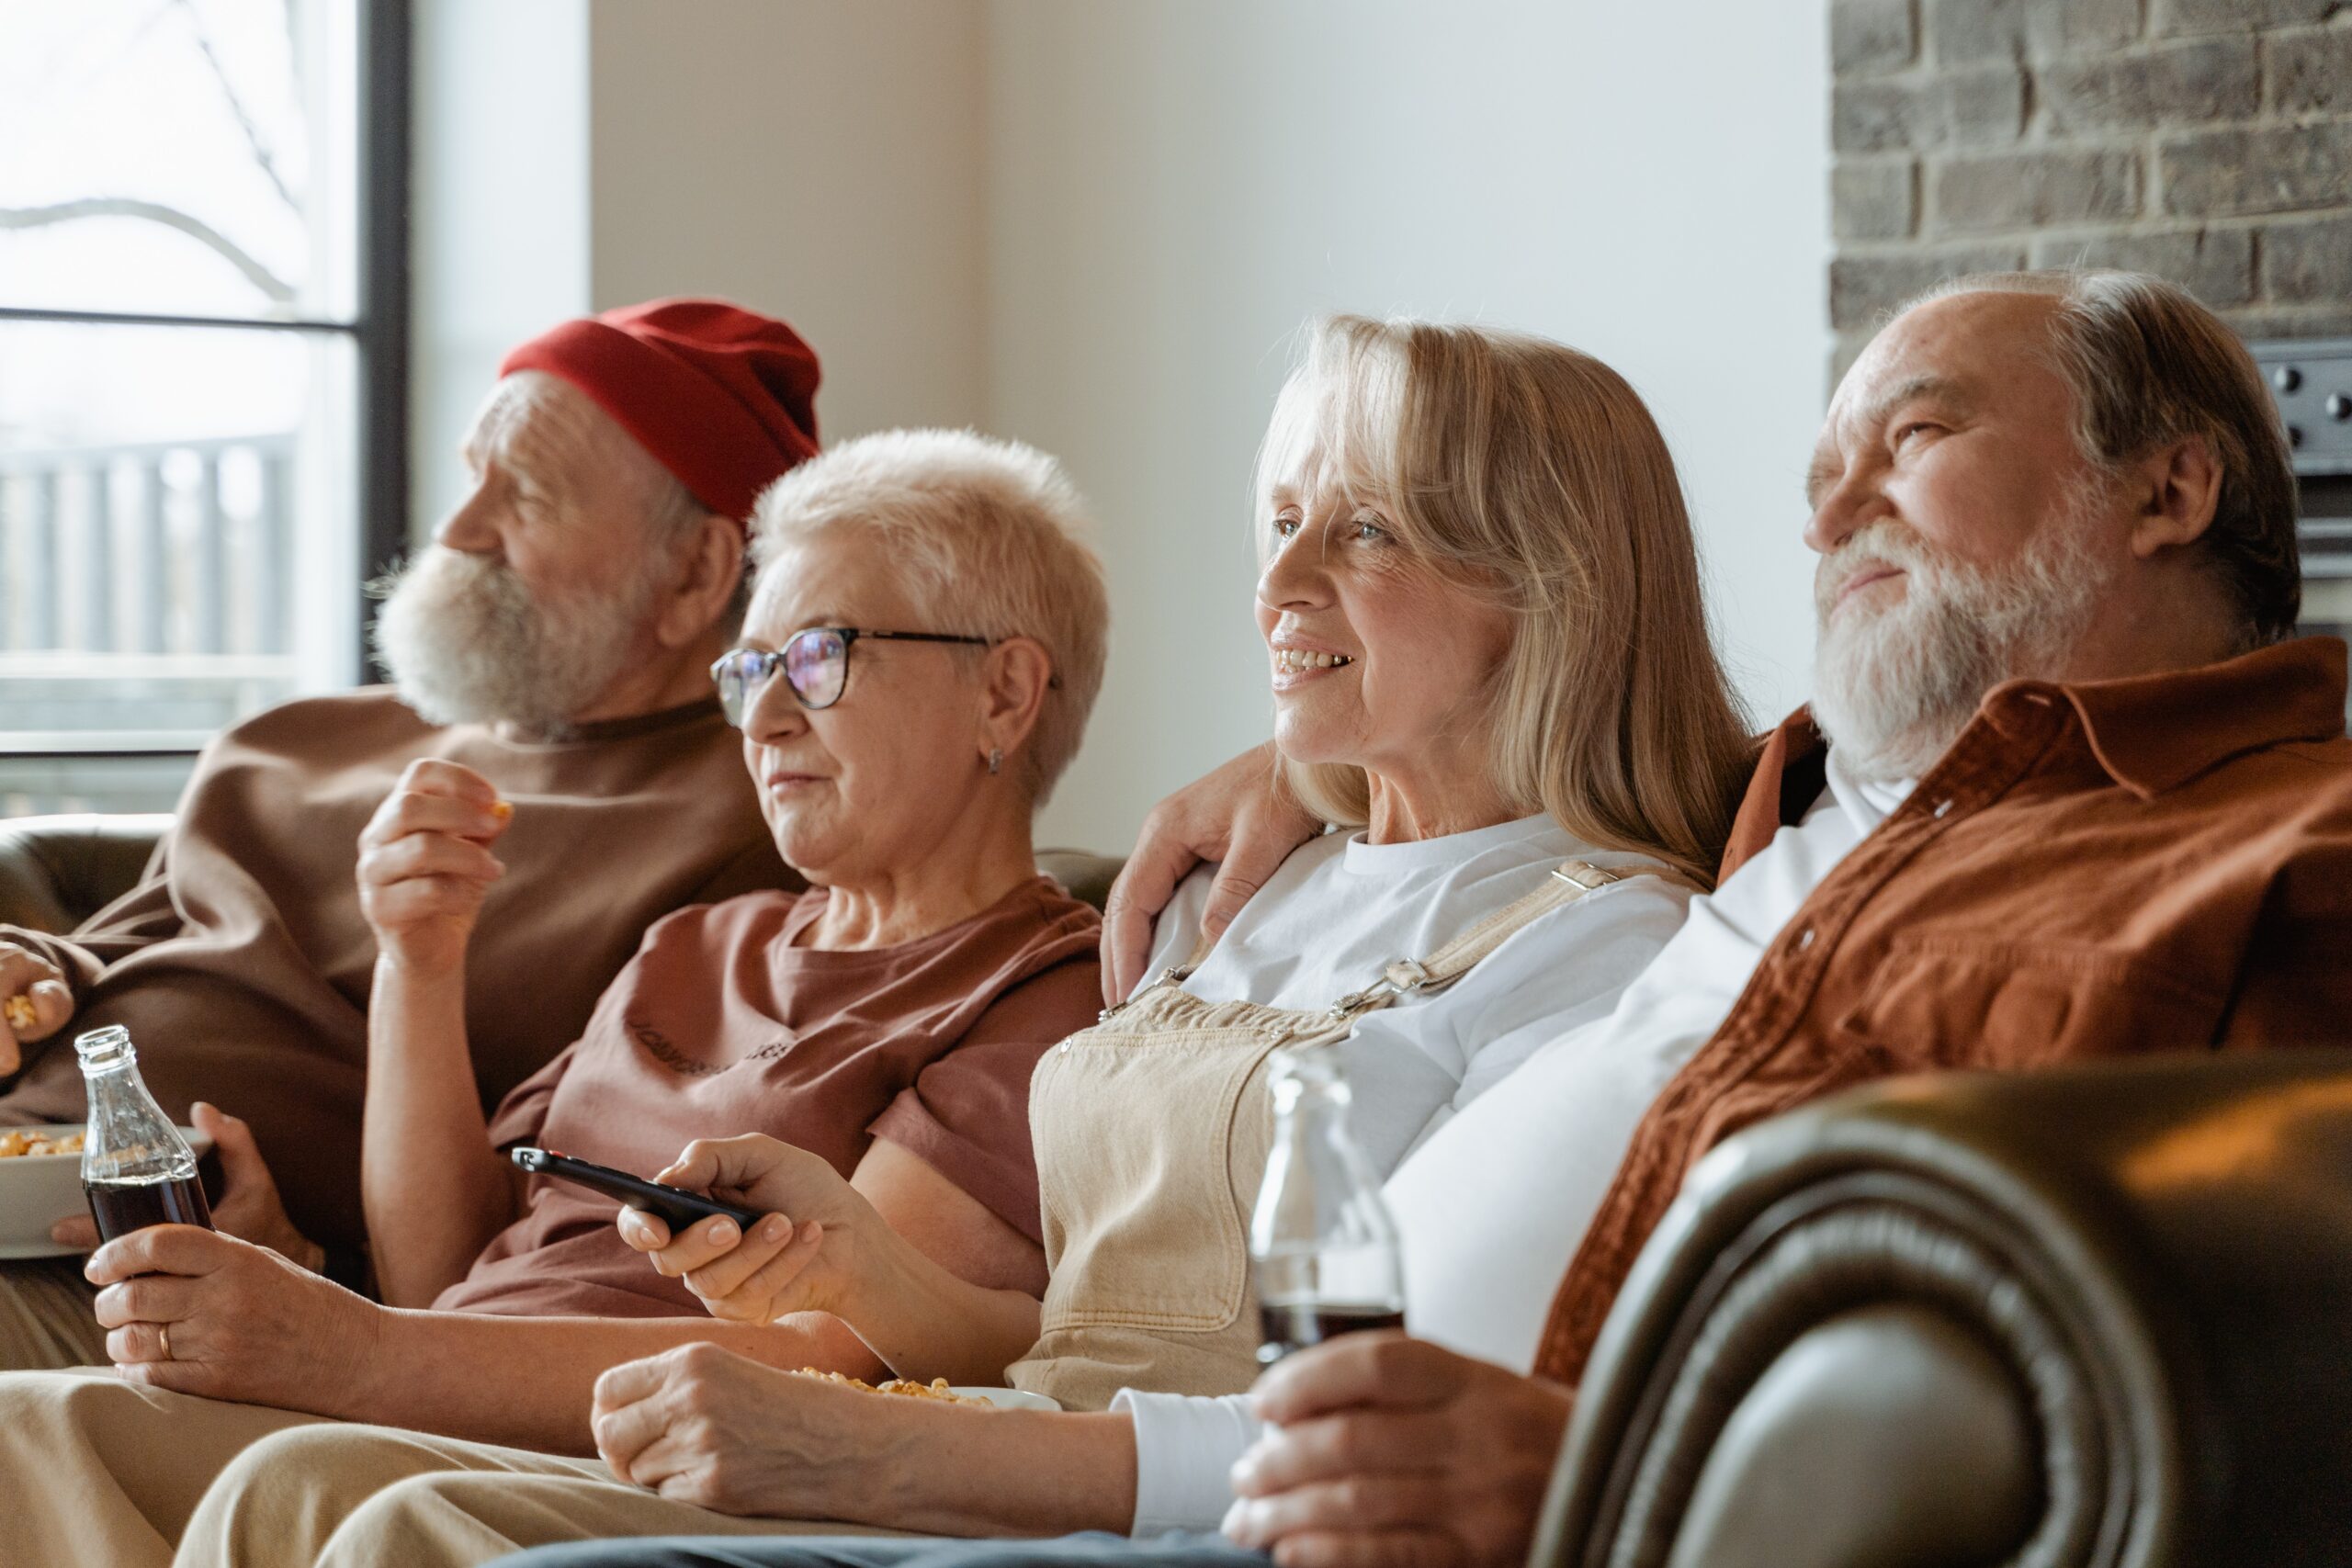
(677,1207)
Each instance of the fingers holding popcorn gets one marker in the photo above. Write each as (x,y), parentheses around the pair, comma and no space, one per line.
(35,1001)
(434,797)
(425,864)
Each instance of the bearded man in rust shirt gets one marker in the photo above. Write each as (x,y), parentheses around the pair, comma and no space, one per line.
(555,638)
(2066,791)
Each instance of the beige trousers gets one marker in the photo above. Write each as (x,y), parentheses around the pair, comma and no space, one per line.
(96,1473)
(339,1495)
(46,1321)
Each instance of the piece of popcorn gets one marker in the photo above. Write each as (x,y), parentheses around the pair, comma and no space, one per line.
(20,1011)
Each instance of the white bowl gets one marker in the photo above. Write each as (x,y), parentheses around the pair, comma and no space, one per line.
(1009,1398)
(38,1190)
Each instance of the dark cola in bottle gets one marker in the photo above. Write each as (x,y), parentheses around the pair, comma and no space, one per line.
(1323,1249)
(136,1169)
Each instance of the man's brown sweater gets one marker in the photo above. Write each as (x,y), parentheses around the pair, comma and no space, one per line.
(240,963)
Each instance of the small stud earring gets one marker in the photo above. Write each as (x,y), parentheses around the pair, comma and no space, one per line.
(996,760)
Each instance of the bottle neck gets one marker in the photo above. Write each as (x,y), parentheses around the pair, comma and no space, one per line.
(123,1070)
(103,1051)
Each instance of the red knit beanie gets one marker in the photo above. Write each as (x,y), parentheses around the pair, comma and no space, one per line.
(723,398)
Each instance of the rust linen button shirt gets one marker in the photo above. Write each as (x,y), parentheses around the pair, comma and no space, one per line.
(2091,869)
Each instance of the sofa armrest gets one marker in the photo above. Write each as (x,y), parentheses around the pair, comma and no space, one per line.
(56,871)
(2091,1315)
(1087,876)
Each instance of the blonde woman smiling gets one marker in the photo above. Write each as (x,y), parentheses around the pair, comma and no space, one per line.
(1489,663)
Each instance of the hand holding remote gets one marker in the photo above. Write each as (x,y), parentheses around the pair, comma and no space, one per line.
(809,1253)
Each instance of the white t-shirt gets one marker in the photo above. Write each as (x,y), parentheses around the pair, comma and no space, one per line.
(1492,1205)
(1340,910)
(1329,920)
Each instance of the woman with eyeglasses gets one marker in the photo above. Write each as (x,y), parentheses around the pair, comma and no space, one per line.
(924,638)
(1487,656)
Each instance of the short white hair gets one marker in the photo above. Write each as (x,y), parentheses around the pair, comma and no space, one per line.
(993,540)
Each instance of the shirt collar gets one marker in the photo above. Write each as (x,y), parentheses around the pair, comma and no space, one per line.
(2153,733)
(1790,776)
(2150,733)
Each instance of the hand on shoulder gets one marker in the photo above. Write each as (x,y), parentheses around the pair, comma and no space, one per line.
(1239,817)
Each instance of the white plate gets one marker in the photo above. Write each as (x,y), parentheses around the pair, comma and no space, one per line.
(38,1190)
(1010,1398)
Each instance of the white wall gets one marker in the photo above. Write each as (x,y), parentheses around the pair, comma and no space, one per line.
(498,211)
(1097,226)
(819,159)
(1177,184)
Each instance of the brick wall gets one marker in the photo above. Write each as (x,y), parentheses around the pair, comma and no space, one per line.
(2209,141)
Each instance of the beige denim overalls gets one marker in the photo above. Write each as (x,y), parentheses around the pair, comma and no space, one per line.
(1152,1131)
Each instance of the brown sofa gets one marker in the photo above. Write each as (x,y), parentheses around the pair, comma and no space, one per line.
(2097,1317)
(56,871)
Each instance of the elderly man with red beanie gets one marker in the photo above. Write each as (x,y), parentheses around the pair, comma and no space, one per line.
(555,638)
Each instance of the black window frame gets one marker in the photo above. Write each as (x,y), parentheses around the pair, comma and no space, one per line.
(379,332)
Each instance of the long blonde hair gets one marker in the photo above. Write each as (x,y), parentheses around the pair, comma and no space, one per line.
(1533,475)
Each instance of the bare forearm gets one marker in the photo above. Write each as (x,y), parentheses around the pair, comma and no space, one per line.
(434,1189)
(926,1323)
(529,1381)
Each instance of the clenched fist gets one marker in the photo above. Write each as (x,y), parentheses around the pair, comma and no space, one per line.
(426,865)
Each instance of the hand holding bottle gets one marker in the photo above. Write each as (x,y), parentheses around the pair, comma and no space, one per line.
(250,1207)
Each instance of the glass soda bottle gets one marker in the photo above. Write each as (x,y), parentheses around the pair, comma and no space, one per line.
(1323,1247)
(136,1169)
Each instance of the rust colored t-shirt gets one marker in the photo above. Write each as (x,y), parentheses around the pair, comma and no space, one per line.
(720,1026)
(240,963)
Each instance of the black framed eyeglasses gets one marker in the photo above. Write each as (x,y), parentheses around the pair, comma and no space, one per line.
(815,664)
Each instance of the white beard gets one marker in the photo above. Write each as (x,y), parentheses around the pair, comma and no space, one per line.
(1894,689)
(466,642)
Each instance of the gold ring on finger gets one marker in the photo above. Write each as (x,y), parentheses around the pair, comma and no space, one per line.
(163,1332)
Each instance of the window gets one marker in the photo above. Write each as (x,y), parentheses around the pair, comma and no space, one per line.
(203,330)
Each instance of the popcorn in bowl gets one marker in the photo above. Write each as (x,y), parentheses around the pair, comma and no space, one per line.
(16,1145)
(935,1389)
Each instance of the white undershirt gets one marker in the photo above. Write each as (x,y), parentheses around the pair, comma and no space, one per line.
(1340,910)
(1492,1204)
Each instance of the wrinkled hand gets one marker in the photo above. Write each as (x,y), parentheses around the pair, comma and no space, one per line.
(24,973)
(810,1254)
(426,865)
(245,1324)
(1389,1453)
(707,1426)
(249,1208)
(1239,817)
